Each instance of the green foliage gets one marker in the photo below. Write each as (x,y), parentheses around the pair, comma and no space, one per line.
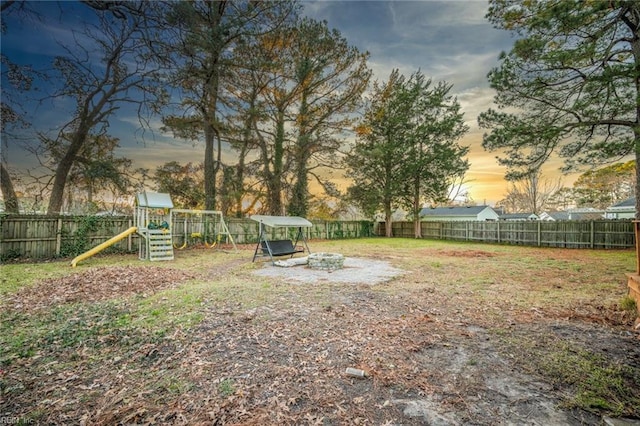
(569,84)
(79,242)
(330,77)
(18,275)
(366,229)
(211,34)
(599,386)
(406,151)
(10,255)
(226,387)
(628,304)
(66,327)
(590,382)
(600,188)
(375,162)
(185,183)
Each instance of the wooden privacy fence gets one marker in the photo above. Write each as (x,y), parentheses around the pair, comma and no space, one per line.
(596,234)
(42,237)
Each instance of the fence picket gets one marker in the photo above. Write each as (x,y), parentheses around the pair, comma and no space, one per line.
(42,237)
(594,234)
(48,236)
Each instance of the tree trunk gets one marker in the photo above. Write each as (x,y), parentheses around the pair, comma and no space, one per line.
(388,220)
(209,169)
(299,202)
(274,184)
(239,183)
(635,48)
(63,169)
(239,177)
(211,135)
(636,133)
(11,203)
(417,228)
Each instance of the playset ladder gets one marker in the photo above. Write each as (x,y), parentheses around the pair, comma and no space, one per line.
(157,245)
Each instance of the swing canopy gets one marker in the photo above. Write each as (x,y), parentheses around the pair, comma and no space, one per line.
(154,200)
(285,247)
(282,221)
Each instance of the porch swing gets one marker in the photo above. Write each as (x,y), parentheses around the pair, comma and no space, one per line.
(280,247)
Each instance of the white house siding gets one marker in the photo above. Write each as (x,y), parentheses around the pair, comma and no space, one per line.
(612,213)
(449,218)
(484,214)
(488,214)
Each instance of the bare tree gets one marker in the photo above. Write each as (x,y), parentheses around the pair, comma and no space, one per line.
(126,72)
(530,194)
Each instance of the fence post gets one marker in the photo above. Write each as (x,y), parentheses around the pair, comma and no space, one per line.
(59,238)
(614,234)
(130,237)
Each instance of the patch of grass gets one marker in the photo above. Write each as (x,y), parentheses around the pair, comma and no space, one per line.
(226,388)
(173,385)
(589,381)
(15,276)
(599,386)
(70,327)
(62,328)
(168,310)
(628,304)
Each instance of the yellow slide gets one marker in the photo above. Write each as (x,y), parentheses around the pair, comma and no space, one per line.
(103,246)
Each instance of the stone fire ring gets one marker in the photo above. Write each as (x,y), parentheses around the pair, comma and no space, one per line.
(325,261)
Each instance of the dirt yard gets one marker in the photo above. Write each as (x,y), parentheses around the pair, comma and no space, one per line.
(444,334)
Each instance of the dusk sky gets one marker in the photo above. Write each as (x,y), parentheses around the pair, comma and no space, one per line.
(446,40)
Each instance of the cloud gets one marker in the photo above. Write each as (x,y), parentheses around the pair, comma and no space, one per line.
(447,40)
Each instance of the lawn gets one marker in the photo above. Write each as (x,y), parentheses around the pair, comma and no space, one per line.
(464,333)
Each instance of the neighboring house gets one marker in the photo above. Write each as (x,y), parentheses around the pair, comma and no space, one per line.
(548,216)
(623,210)
(482,213)
(519,216)
(574,214)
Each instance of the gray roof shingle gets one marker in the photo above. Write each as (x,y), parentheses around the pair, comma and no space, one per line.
(452,211)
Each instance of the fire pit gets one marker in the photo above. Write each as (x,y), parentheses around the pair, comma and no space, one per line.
(326,261)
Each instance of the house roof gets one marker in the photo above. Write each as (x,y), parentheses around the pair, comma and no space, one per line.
(558,215)
(629,202)
(576,215)
(282,221)
(516,216)
(453,211)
